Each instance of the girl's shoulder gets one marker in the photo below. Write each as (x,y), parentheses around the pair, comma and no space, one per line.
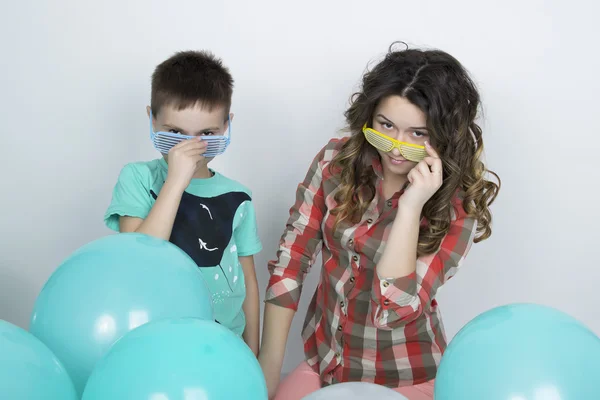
(331,149)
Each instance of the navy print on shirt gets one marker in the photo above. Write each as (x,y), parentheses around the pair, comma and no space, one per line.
(204,225)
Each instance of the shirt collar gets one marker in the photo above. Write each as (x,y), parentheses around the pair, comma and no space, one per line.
(377,167)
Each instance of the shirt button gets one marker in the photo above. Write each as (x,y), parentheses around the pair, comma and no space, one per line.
(340,328)
(369,221)
(386,284)
(355,258)
(350,242)
(337,355)
(342,304)
(385,303)
(352,279)
(389,203)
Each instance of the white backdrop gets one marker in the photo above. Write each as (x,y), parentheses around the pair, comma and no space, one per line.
(74,81)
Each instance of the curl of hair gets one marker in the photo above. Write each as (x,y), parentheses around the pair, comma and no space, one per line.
(439,85)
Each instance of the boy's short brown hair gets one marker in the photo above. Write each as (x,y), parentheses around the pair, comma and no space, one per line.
(190,78)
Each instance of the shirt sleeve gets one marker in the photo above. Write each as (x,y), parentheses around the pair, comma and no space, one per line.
(301,241)
(245,234)
(131,196)
(399,301)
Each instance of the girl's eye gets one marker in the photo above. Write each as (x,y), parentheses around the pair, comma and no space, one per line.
(419,134)
(387,125)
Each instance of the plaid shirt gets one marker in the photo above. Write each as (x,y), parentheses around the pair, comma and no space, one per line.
(359,326)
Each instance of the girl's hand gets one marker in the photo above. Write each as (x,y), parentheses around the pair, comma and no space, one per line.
(272,376)
(425,179)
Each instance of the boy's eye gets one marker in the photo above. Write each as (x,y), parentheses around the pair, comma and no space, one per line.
(209,133)
(174,131)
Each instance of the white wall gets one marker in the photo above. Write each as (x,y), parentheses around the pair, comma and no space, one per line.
(74,81)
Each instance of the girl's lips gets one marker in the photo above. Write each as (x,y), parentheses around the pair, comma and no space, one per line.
(396,161)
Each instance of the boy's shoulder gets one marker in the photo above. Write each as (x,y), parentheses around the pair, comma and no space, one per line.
(142,170)
(144,166)
(232,185)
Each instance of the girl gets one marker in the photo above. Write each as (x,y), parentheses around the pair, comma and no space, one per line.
(395,208)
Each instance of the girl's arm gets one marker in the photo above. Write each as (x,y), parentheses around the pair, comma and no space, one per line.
(298,248)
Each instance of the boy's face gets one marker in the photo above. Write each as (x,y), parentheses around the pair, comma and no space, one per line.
(192,121)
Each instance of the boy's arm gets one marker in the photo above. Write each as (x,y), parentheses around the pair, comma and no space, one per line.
(251,304)
(159,222)
(248,244)
(183,161)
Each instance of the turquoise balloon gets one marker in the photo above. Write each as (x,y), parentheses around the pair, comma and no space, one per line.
(109,287)
(355,391)
(178,359)
(29,370)
(521,352)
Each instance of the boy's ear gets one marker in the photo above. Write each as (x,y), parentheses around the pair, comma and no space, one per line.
(148,111)
(228,121)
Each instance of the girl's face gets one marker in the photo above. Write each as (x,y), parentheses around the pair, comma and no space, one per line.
(399,119)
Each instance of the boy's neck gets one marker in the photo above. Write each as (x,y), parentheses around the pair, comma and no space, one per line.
(203,173)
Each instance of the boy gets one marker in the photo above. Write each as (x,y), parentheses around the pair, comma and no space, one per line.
(178,198)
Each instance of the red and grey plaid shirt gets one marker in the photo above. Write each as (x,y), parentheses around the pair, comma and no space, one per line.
(359,326)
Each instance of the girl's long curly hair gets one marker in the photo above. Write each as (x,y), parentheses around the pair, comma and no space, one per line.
(440,86)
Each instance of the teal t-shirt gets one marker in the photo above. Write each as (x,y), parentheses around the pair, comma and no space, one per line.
(215,224)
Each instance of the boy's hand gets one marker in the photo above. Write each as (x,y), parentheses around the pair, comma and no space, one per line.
(183,160)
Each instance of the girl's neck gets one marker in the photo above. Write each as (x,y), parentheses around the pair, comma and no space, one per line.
(392,184)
